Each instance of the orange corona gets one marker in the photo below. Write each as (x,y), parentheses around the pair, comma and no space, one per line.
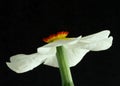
(57,36)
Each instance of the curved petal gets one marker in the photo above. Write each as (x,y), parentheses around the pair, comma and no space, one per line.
(22,63)
(74,54)
(96,36)
(52,61)
(96,45)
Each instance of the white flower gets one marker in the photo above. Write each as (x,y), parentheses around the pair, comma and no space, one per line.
(75,50)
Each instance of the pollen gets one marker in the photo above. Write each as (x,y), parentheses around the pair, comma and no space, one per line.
(57,36)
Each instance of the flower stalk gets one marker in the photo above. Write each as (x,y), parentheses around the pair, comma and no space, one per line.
(65,72)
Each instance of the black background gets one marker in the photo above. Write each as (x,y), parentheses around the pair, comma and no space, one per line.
(23,24)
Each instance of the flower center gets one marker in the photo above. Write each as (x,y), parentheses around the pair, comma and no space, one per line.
(57,36)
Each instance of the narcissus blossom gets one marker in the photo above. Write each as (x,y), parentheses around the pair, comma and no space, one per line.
(75,49)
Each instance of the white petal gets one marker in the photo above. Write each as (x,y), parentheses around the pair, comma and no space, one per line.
(51,61)
(22,63)
(74,54)
(46,50)
(97,45)
(97,36)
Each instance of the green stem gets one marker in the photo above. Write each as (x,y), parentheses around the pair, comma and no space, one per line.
(64,68)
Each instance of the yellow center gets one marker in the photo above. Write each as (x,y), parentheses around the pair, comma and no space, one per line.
(57,36)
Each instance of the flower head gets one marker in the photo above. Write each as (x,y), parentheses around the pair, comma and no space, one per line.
(75,49)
